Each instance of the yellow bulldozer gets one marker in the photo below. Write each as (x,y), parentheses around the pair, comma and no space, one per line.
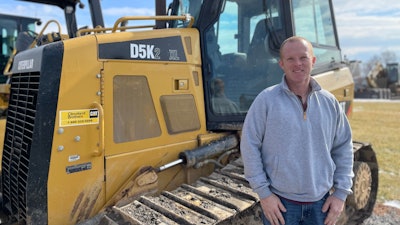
(126,125)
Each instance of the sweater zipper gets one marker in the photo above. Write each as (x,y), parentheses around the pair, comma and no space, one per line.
(301,105)
(304,109)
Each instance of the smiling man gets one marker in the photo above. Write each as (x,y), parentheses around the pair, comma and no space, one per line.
(296,145)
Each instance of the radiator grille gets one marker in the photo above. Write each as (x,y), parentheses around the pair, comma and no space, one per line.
(18,141)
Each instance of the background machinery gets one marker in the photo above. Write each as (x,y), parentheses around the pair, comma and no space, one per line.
(119,125)
(10,27)
(381,82)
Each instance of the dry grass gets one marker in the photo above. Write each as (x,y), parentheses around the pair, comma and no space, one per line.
(378,122)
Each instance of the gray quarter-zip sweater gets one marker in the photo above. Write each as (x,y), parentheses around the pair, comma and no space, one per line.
(297,154)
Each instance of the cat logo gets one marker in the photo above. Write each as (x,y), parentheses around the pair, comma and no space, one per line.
(94,113)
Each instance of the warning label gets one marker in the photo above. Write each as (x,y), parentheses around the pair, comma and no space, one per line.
(79,117)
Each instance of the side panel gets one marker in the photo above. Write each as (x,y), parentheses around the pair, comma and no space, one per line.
(340,83)
(76,176)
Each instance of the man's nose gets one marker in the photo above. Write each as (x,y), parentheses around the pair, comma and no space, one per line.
(298,61)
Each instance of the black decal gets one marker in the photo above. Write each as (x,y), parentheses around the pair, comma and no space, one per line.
(159,49)
(78,168)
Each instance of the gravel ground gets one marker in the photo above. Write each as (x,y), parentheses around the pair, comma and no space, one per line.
(384,215)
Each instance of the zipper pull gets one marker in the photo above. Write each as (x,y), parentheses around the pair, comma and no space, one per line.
(304,115)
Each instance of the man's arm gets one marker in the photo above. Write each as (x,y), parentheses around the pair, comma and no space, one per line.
(250,147)
(342,155)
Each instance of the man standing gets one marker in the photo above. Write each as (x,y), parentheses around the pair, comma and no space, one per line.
(296,145)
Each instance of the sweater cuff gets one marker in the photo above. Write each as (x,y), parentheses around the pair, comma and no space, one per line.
(340,194)
(263,192)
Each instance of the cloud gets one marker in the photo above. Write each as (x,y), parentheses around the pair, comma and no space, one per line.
(367,8)
(111,14)
(128,11)
(366,29)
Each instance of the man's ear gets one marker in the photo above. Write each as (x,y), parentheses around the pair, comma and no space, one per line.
(280,63)
(314,59)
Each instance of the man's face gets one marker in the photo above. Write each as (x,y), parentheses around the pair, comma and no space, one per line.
(297,61)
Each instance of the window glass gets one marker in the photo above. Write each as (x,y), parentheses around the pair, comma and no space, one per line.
(242,49)
(313,21)
(227,29)
(187,7)
(134,115)
(8,36)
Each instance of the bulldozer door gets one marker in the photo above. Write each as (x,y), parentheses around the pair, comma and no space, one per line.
(153,103)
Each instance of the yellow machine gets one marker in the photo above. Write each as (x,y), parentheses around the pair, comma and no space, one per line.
(10,27)
(123,125)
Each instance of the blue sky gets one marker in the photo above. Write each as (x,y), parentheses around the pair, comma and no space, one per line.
(365,28)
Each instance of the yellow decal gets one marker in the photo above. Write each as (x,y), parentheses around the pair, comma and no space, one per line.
(79,117)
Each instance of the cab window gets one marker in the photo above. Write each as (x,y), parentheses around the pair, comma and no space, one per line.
(243,52)
(313,20)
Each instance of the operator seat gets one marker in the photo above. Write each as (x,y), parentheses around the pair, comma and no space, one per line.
(262,58)
(258,53)
(263,52)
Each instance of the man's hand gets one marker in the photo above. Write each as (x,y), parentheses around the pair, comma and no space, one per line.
(272,208)
(334,207)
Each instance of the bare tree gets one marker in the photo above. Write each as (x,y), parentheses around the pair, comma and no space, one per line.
(388,57)
(367,66)
(384,58)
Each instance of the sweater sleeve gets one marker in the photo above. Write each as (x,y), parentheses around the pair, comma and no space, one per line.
(251,142)
(342,155)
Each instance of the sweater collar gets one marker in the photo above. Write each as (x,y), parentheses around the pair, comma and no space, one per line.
(314,85)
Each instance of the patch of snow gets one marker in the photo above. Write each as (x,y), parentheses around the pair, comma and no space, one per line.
(376,100)
(393,203)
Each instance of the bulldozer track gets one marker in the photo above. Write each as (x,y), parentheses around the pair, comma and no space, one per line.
(224,197)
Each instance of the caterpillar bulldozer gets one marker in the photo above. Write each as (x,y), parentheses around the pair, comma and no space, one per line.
(140,123)
(381,82)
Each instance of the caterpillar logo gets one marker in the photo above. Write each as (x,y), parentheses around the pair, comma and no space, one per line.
(94,113)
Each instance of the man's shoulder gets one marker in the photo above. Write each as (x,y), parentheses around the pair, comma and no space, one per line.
(327,94)
(272,89)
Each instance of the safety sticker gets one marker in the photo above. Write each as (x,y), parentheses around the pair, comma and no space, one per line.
(79,117)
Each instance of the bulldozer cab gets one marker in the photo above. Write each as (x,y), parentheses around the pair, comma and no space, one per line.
(10,27)
(240,42)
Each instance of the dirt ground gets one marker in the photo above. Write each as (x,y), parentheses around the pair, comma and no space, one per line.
(384,215)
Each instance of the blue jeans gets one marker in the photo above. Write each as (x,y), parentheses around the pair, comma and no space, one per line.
(302,214)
